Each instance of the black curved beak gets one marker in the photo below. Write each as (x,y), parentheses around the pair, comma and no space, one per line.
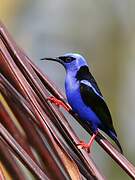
(53,59)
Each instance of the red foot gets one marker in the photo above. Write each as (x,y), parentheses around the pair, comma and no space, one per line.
(58,102)
(88,146)
(83,145)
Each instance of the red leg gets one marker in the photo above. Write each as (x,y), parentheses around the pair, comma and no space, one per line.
(58,102)
(88,146)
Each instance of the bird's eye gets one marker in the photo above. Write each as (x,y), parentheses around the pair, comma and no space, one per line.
(68,59)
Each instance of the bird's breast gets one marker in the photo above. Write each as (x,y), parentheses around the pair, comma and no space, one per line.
(73,94)
(76,102)
(72,89)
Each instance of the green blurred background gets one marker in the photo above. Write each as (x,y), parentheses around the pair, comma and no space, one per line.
(104,32)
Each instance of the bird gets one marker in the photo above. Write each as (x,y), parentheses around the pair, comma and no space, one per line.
(85,98)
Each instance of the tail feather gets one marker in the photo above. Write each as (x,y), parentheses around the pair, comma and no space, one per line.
(114,137)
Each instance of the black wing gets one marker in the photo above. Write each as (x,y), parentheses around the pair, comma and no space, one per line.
(84,74)
(93,98)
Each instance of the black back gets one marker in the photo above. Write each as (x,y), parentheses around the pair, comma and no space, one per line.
(94,100)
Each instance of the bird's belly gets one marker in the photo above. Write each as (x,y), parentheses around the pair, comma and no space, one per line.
(84,112)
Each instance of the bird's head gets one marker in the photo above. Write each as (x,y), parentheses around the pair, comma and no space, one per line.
(71,61)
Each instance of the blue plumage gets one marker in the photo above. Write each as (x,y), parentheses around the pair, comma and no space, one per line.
(84,95)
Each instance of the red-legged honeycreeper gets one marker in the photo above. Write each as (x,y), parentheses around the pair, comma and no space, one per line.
(85,98)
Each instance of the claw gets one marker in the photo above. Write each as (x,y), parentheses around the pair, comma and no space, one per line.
(58,102)
(87,147)
(83,145)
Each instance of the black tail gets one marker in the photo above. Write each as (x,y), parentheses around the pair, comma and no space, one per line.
(114,137)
